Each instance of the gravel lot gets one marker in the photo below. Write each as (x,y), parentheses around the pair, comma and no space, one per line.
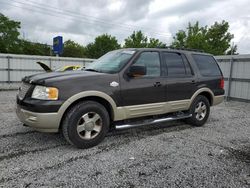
(165,155)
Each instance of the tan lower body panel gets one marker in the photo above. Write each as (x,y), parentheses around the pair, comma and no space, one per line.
(127,112)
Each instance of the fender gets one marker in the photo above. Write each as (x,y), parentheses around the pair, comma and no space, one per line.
(199,91)
(91,93)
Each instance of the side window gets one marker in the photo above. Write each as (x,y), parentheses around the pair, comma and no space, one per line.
(151,60)
(187,66)
(207,65)
(175,64)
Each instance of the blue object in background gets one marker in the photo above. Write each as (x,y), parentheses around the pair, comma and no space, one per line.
(58,45)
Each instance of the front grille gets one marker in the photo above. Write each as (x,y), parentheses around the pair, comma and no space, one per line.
(23,89)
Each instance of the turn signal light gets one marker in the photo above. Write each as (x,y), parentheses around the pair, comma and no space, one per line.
(52,93)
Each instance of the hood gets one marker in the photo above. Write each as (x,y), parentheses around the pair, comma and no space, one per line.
(45,77)
(44,66)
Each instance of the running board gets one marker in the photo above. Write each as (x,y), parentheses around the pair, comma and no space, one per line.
(153,121)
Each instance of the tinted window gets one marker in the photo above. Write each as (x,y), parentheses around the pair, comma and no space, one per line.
(111,62)
(151,61)
(207,65)
(187,66)
(174,63)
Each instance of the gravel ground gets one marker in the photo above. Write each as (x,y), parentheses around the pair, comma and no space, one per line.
(165,155)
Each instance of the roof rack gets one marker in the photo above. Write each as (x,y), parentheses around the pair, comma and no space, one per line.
(187,49)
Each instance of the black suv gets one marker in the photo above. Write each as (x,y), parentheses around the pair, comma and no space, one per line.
(124,88)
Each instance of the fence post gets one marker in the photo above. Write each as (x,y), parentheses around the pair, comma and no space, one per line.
(83,63)
(50,63)
(8,69)
(230,79)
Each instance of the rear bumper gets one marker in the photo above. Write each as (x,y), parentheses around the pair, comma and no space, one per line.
(44,122)
(218,99)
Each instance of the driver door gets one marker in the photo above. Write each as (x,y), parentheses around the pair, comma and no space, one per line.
(144,94)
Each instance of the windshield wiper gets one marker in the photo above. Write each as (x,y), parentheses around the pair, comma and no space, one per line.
(92,70)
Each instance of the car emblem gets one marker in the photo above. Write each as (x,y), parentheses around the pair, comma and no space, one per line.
(114,84)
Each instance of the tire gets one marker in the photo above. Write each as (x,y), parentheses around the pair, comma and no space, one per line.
(200,110)
(86,124)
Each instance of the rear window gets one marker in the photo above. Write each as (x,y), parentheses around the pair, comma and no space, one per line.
(207,65)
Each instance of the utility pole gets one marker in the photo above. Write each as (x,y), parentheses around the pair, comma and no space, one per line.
(230,74)
(232,48)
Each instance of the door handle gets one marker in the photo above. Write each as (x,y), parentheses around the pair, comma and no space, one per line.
(157,84)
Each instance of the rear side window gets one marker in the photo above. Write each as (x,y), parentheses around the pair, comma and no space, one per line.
(207,65)
(176,65)
(187,66)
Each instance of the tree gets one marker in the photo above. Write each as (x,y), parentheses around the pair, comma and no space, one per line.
(103,44)
(9,42)
(136,40)
(215,40)
(140,40)
(73,49)
(218,38)
(194,37)
(179,39)
(31,48)
(153,43)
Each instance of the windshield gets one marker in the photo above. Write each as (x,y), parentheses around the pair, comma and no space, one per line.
(111,62)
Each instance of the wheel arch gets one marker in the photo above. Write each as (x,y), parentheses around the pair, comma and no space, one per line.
(205,92)
(97,96)
(208,96)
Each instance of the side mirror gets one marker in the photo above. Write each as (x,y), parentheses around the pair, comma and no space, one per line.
(136,71)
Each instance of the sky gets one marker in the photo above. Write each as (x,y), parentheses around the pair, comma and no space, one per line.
(83,20)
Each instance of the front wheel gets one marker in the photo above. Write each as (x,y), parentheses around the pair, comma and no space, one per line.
(200,109)
(86,124)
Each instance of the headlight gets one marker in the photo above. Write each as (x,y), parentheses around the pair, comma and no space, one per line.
(45,93)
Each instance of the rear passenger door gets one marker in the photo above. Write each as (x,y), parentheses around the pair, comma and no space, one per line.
(181,81)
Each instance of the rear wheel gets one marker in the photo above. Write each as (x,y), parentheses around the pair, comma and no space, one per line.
(200,110)
(86,124)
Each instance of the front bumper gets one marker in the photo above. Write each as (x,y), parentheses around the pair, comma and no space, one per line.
(40,106)
(43,122)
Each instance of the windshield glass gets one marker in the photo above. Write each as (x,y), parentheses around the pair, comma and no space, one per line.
(111,62)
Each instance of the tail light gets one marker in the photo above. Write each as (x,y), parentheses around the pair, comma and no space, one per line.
(222,83)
